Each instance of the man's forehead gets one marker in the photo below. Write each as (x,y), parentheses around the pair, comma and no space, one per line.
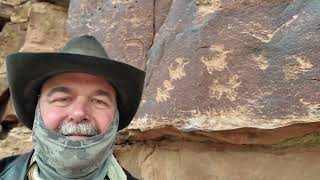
(68,90)
(77,79)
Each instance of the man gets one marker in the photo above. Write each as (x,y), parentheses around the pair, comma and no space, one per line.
(75,101)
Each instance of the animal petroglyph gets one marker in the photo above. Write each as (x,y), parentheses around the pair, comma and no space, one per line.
(163,93)
(206,7)
(261,61)
(291,71)
(229,89)
(176,72)
(216,61)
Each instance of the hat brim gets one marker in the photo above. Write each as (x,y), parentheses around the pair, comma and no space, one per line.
(26,73)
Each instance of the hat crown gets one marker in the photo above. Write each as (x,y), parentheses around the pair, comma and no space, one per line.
(85,45)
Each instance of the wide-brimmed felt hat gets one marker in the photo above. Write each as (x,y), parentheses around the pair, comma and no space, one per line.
(27,71)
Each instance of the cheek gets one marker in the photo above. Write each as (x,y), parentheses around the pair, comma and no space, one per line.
(104,120)
(52,117)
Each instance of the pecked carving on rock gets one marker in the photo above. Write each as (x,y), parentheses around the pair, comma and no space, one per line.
(218,65)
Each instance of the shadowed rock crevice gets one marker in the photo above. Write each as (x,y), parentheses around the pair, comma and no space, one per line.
(63,3)
(3,21)
(242,136)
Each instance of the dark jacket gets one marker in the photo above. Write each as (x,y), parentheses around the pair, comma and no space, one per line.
(15,167)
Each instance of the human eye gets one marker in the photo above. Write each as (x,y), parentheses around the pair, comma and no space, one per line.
(99,103)
(61,101)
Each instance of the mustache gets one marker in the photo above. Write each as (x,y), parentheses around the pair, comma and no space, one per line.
(82,128)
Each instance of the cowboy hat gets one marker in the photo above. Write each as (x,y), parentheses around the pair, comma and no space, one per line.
(26,72)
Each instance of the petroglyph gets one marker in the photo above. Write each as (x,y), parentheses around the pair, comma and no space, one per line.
(163,93)
(305,64)
(137,22)
(261,62)
(291,71)
(206,7)
(176,71)
(313,109)
(216,61)
(229,90)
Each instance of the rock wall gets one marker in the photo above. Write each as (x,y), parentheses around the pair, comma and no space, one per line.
(25,26)
(191,160)
(232,87)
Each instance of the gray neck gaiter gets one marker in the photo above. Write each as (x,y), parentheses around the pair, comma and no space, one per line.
(63,158)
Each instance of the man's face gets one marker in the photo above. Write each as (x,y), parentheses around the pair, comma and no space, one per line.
(72,99)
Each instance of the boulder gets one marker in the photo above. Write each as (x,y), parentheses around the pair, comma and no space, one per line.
(46,28)
(21,13)
(12,38)
(18,140)
(6,11)
(13,2)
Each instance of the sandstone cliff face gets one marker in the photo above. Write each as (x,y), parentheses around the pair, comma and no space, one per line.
(28,26)
(232,87)
(25,26)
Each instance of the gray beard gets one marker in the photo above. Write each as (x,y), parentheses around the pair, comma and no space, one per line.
(82,128)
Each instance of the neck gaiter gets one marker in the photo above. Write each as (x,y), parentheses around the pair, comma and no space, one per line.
(58,157)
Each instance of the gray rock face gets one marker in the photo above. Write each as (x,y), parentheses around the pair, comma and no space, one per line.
(218,65)
(125,28)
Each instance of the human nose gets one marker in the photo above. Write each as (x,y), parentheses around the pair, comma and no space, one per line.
(79,110)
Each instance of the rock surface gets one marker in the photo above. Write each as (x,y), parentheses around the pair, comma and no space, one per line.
(25,26)
(213,65)
(28,26)
(46,28)
(227,82)
(219,65)
(125,28)
(17,141)
(12,38)
(232,88)
(189,160)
